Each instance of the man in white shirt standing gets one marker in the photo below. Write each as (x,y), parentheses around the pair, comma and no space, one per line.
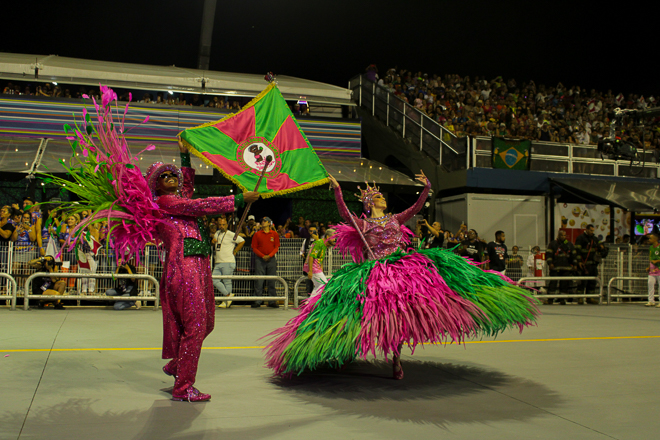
(225,258)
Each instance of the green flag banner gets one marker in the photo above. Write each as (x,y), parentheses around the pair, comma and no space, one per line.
(239,145)
(511,154)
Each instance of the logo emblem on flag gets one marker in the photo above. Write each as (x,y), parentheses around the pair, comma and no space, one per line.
(252,154)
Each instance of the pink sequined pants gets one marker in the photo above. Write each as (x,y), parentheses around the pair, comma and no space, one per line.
(188,302)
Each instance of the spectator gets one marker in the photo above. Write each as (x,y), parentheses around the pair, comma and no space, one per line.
(433,235)
(654,268)
(225,259)
(72,264)
(561,258)
(86,251)
(24,238)
(37,221)
(313,236)
(498,253)
(6,232)
(47,285)
(314,262)
(125,286)
(6,226)
(249,228)
(514,264)
(265,245)
(213,228)
(590,253)
(472,247)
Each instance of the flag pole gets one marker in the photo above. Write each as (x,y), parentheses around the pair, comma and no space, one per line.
(247,208)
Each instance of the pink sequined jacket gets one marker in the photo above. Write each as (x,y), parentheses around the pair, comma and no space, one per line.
(180,213)
(384,235)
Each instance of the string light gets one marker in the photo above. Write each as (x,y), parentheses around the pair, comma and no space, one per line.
(17,149)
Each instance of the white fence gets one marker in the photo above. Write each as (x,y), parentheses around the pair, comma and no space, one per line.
(625,261)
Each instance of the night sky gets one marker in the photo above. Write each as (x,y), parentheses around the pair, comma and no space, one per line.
(577,43)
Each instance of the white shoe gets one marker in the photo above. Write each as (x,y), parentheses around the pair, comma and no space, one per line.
(650,304)
(229,302)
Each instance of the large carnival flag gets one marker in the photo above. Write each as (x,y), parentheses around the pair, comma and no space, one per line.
(239,145)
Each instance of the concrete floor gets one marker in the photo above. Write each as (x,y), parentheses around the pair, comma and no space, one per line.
(586,372)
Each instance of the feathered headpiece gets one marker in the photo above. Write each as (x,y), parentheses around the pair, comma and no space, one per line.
(366,196)
(107,179)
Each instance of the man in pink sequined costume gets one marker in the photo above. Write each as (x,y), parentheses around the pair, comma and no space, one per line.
(186,289)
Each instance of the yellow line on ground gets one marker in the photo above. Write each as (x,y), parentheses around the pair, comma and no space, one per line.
(263,346)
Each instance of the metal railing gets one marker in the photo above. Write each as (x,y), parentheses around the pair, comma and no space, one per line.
(567,158)
(11,293)
(611,295)
(28,284)
(412,124)
(564,295)
(455,153)
(284,297)
(296,292)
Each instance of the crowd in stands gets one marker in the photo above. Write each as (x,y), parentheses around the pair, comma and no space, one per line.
(477,106)
(52,90)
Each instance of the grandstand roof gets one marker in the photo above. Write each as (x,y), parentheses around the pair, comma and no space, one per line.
(53,68)
(624,193)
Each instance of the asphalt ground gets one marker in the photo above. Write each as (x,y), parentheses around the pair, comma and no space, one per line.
(585,372)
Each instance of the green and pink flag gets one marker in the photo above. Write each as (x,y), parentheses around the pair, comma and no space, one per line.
(239,145)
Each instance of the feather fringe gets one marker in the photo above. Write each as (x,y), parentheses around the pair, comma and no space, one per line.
(406,298)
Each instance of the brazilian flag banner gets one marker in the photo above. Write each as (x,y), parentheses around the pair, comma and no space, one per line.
(239,144)
(511,154)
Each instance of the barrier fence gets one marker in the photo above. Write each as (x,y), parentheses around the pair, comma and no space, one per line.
(567,295)
(285,289)
(611,295)
(10,293)
(141,296)
(624,268)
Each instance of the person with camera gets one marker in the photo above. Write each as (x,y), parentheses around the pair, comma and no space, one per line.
(590,252)
(47,285)
(561,258)
(226,249)
(24,237)
(125,286)
(433,235)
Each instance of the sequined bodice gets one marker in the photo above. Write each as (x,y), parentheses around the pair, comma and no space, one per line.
(383,235)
